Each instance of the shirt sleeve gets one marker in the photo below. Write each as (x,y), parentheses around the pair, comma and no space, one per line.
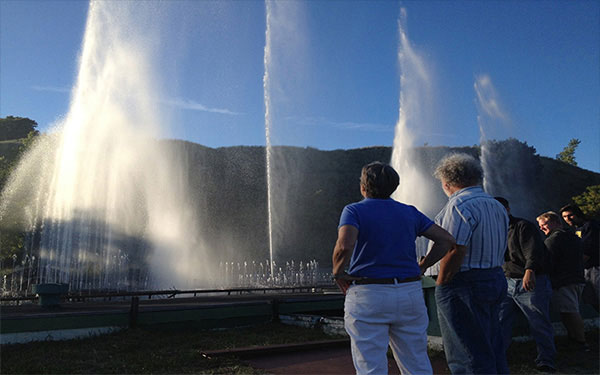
(349,217)
(531,245)
(589,238)
(458,224)
(554,245)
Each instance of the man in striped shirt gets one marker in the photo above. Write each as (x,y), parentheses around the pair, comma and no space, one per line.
(471,284)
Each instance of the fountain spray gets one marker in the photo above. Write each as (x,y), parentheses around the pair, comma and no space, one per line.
(109,207)
(269,148)
(492,121)
(415,94)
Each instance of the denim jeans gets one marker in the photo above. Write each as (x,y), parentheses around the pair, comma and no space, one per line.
(469,315)
(535,305)
(376,315)
(591,292)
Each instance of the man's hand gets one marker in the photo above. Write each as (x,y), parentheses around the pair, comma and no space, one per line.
(529,280)
(450,264)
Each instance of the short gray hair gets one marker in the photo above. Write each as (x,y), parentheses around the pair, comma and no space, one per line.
(550,216)
(460,170)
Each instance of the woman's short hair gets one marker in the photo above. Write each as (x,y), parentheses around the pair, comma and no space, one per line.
(550,216)
(379,180)
(459,170)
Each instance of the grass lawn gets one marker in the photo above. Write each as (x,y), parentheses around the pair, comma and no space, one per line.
(178,351)
(149,351)
(569,358)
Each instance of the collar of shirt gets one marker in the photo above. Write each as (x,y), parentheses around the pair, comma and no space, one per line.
(475,188)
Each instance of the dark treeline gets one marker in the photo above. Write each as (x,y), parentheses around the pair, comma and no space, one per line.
(12,127)
(310,187)
(228,192)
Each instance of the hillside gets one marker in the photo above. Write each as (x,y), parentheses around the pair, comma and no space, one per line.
(560,181)
(228,191)
(310,188)
(9,149)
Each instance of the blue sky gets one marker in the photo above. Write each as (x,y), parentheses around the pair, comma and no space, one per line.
(336,69)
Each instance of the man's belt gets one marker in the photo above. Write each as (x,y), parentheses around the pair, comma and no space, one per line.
(391,280)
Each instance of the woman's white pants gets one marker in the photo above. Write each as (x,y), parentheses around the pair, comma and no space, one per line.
(376,315)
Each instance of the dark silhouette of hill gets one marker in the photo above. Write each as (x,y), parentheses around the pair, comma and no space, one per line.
(310,187)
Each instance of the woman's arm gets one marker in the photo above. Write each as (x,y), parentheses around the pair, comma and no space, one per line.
(443,243)
(347,236)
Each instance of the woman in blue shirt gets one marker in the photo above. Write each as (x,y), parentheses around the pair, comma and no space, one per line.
(384,298)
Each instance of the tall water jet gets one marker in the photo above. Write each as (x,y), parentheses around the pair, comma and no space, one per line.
(269,147)
(104,198)
(492,121)
(414,104)
(283,65)
(510,167)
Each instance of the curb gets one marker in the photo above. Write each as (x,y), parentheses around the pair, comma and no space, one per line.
(255,351)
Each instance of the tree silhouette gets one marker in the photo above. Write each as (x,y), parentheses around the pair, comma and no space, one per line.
(567,155)
(589,201)
(16,127)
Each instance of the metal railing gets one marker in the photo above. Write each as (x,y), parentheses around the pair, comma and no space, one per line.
(172,293)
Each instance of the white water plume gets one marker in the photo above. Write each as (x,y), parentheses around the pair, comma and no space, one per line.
(284,54)
(510,167)
(269,148)
(493,121)
(414,105)
(107,202)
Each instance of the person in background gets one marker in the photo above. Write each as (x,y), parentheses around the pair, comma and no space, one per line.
(589,232)
(471,284)
(566,274)
(526,267)
(384,298)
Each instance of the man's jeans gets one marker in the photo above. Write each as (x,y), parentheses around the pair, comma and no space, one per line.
(536,307)
(468,312)
(591,292)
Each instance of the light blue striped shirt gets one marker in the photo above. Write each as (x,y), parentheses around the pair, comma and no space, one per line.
(479,222)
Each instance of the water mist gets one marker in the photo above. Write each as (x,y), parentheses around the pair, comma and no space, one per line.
(284,57)
(269,148)
(106,201)
(510,167)
(492,121)
(414,102)
(415,95)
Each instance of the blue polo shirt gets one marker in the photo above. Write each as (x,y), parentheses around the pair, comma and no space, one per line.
(387,231)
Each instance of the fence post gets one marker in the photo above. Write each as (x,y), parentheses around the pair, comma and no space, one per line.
(275,309)
(133,311)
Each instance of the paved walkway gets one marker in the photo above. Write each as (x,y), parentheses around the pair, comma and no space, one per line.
(317,361)
(326,357)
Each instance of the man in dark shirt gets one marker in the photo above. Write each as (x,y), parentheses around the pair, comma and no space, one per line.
(526,267)
(566,274)
(589,232)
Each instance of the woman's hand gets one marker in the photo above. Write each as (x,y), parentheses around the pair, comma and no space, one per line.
(344,280)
